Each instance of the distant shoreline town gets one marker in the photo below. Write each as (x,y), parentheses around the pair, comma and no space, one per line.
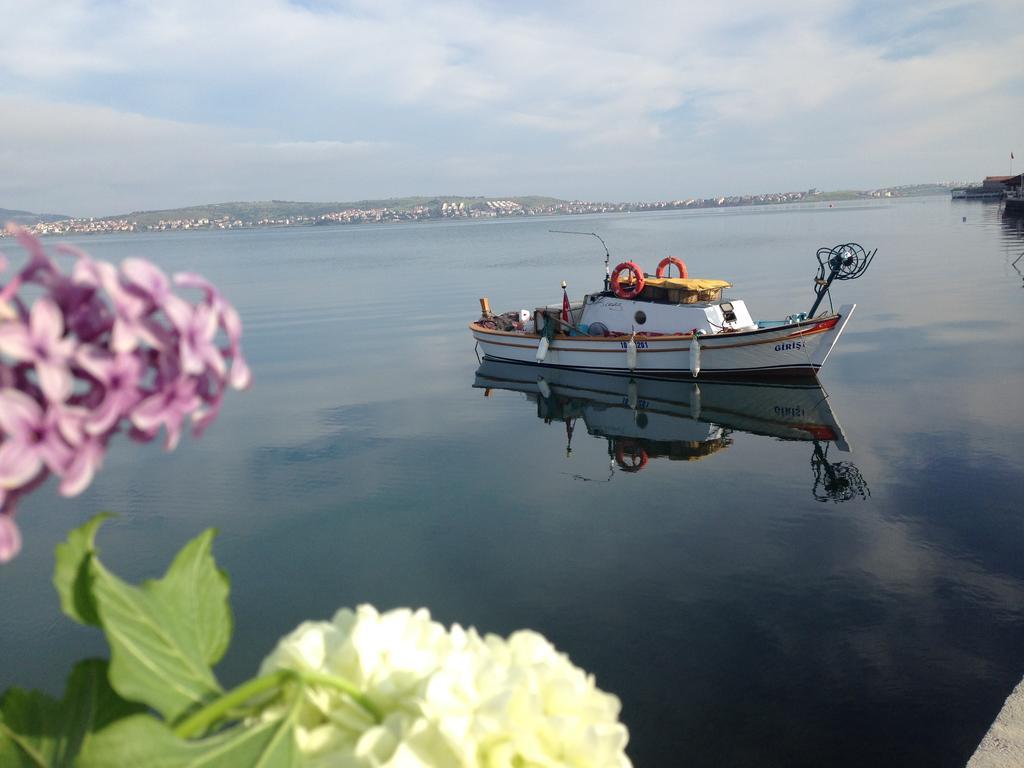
(279,213)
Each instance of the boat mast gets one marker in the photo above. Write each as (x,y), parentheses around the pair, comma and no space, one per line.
(607,255)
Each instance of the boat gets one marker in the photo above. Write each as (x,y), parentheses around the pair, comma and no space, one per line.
(1013,205)
(976,193)
(643,420)
(660,326)
(991,188)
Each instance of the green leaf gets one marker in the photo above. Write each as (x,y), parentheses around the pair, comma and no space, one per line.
(165,635)
(71,574)
(38,731)
(144,741)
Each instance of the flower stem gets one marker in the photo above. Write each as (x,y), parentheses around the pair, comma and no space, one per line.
(201,720)
(343,685)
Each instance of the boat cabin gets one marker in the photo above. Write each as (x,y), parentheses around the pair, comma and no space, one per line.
(664,306)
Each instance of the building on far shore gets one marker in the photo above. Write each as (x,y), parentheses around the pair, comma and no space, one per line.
(992,188)
(1014,205)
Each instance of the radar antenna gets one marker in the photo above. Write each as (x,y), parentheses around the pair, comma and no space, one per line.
(607,255)
(846,261)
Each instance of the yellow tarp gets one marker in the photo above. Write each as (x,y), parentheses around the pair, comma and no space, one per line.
(686,284)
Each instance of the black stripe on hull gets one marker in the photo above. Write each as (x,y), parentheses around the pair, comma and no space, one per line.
(780,373)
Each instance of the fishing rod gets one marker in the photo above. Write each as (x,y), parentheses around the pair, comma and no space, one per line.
(607,255)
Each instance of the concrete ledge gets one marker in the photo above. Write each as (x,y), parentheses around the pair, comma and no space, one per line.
(1003,745)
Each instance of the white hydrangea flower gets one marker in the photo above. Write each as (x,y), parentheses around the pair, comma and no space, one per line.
(449,698)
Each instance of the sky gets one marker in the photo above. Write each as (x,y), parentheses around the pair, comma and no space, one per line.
(112,106)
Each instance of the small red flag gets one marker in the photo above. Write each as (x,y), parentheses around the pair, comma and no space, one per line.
(565,306)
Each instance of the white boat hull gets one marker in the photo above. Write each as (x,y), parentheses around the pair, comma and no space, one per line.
(792,350)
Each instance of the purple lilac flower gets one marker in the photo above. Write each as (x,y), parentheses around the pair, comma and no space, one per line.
(42,343)
(197,328)
(167,408)
(10,536)
(118,376)
(101,350)
(33,440)
(147,278)
(228,320)
(86,459)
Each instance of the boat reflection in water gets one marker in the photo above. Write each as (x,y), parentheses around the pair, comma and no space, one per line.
(646,419)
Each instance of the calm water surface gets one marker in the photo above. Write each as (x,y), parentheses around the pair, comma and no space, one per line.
(751,597)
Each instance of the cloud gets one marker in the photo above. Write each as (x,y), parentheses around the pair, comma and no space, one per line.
(62,156)
(593,86)
(314,151)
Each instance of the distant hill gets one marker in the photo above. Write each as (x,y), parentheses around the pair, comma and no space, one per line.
(28,219)
(290,213)
(281,209)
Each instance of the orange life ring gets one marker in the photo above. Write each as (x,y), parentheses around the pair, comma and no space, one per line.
(631,289)
(637,456)
(663,267)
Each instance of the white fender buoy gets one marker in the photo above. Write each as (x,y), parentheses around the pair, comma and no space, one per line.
(631,397)
(695,356)
(542,349)
(545,390)
(695,401)
(631,354)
